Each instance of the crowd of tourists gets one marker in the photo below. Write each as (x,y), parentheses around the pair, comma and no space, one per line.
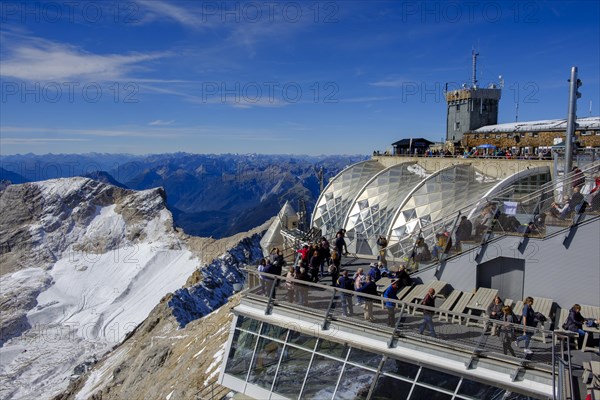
(475,152)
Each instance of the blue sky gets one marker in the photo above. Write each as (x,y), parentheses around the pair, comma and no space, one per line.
(334,77)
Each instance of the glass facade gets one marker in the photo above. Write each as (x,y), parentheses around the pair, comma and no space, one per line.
(438,196)
(293,365)
(375,207)
(334,203)
(405,200)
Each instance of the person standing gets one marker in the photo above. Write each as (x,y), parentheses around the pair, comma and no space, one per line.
(369,287)
(428,301)
(289,285)
(494,312)
(314,264)
(262,267)
(507,331)
(391,293)
(359,280)
(345,282)
(527,320)
(334,268)
(340,243)
(382,243)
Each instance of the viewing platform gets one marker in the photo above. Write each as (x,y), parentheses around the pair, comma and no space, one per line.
(279,316)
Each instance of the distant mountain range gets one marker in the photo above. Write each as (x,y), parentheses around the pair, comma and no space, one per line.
(208,195)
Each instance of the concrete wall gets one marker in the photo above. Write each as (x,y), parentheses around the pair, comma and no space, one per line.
(496,168)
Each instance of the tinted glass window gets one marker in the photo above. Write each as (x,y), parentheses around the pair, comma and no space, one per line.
(400,368)
(240,355)
(390,388)
(332,348)
(420,393)
(364,358)
(300,339)
(322,378)
(439,379)
(273,331)
(265,363)
(248,324)
(292,369)
(355,383)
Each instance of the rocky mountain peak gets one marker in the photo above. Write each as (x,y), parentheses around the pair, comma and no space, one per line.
(45,219)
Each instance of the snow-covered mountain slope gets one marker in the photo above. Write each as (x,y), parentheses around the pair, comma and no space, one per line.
(162,358)
(83,263)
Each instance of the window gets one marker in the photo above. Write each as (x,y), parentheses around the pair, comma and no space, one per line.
(456,126)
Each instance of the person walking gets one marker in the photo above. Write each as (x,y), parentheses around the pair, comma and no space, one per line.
(527,320)
(428,301)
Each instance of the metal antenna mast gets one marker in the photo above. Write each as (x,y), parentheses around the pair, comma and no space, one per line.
(474,55)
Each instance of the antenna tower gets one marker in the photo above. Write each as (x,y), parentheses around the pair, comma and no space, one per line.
(474,55)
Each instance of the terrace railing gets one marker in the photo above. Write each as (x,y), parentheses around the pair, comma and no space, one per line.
(459,331)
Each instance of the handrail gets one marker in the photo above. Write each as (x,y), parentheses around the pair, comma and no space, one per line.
(324,303)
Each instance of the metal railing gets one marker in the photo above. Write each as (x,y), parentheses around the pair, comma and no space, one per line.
(458,331)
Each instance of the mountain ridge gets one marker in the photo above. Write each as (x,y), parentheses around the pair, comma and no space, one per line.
(244,190)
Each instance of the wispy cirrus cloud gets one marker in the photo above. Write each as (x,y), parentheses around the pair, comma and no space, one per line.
(37,59)
(160,122)
(21,141)
(159,132)
(391,82)
(156,9)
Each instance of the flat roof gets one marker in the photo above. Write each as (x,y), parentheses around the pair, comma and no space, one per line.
(542,125)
